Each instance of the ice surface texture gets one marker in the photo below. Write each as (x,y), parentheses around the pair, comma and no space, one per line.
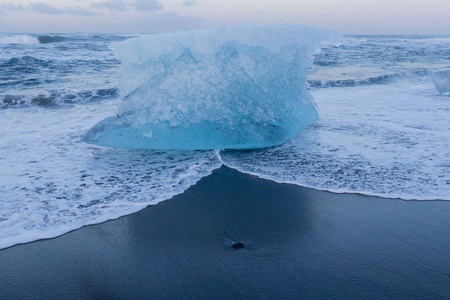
(231,87)
(441,80)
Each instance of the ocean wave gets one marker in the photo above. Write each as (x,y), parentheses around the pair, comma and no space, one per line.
(57,98)
(18,39)
(382,79)
(437,40)
(375,80)
(13,65)
(22,60)
(47,39)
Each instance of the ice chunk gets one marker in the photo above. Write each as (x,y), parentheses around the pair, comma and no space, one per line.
(441,80)
(231,87)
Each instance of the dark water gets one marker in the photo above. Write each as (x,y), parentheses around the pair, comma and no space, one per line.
(79,67)
(48,70)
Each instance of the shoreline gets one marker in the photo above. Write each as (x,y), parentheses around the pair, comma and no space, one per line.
(299,243)
(363,194)
(255,175)
(332,191)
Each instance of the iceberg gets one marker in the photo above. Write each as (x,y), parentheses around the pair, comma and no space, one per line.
(236,87)
(441,80)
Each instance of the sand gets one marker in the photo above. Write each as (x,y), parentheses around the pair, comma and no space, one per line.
(299,244)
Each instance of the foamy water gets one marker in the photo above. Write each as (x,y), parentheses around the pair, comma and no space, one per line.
(386,140)
(18,39)
(383,130)
(51,182)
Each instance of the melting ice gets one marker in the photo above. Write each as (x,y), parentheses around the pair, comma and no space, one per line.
(233,87)
(441,80)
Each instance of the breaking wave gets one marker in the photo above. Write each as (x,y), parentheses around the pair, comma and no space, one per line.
(18,39)
(57,98)
(27,39)
(47,39)
(381,79)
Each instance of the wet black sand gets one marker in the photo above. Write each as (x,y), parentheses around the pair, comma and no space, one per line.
(299,244)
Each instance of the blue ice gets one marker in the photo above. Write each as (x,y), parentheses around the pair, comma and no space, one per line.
(441,80)
(224,88)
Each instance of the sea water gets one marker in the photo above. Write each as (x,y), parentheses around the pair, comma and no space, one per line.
(383,129)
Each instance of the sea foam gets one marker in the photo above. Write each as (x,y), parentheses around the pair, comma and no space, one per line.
(52,183)
(18,39)
(390,141)
(232,87)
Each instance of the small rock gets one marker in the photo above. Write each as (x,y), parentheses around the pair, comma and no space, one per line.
(237,245)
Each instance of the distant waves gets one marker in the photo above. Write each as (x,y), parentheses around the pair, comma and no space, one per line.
(57,98)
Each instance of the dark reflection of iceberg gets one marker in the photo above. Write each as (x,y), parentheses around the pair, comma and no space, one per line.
(232,87)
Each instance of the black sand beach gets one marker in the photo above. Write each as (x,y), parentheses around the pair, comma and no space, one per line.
(299,244)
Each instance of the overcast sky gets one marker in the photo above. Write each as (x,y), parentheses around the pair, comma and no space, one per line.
(148,16)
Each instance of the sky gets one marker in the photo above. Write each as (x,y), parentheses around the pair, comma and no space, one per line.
(151,16)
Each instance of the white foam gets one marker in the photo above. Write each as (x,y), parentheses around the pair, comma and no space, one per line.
(437,40)
(391,141)
(52,183)
(18,39)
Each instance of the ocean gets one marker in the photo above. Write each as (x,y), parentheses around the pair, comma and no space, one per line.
(383,130)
